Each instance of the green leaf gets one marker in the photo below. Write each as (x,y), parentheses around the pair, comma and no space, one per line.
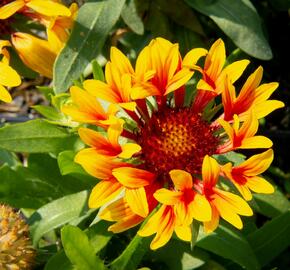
(9,158)
(59,261)
(97,71)
(46,168)
(240,21)
(132,255)
(131,17)
(271,205)
(21,188)
(48,112)
(79,250)
(230,244)
(177,255)
(187,40)
(36,136)
(179,12)
(98,235)
(93,24)
(235,158)
(194,232)
(57,213)
(271,239)
(73,170)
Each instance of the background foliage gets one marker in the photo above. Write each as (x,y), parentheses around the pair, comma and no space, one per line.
(39,176)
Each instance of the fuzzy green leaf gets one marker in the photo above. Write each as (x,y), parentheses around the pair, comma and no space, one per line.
(79,250)
(57,213)
(36,136)
(93,24)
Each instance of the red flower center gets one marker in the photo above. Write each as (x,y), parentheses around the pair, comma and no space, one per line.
(176,139)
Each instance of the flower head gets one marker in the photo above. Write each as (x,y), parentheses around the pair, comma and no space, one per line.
(159,162)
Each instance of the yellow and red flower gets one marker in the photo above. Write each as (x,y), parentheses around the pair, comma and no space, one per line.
(167,159)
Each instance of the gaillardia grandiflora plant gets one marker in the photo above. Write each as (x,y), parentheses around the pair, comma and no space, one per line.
(159,137)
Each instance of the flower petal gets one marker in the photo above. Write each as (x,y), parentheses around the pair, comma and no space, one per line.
(25,44)
(183,232)
(256,142)
(165,230)
(200,208)
(193,56)
(168,197)
(125,223)
(137,200)
(99,142)
(9,9)
(95,164)
(211,225)
(101,90)
(182,180)
(120,61)
(256,164)
(260,185)
(132,177)
(210,171)
(215,59)
(129,149)
(49,8)
(8,76)
(104,192)
(153,223)
(227,213)
(4,94)
(236,203)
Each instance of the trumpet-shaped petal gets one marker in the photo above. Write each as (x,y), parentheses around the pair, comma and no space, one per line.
(243,137)
(35,53)
(244,176)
